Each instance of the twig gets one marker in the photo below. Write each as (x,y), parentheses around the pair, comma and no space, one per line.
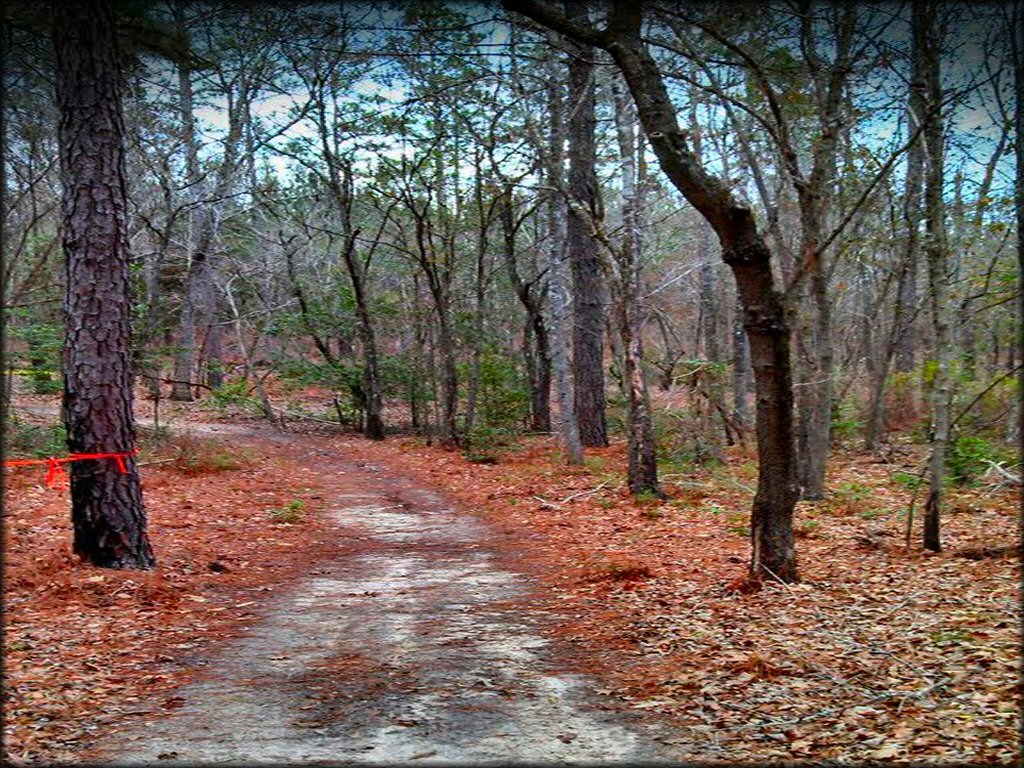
(547,503)
(584,493)
(1003,472)
(158,461)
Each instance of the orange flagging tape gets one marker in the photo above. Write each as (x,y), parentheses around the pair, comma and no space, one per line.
(56,477)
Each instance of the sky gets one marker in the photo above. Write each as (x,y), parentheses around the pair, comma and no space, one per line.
(973,127)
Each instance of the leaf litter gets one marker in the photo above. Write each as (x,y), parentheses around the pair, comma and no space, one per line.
(879,653)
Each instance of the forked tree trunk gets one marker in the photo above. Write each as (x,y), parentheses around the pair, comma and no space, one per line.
(536,343)
(106,504)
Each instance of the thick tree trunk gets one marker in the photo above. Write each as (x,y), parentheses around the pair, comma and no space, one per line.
(106,504)
(588,288)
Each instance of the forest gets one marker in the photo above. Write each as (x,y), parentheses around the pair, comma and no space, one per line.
(688,336)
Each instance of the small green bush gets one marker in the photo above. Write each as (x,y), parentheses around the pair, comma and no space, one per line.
(230,394)
(967,459)
(908,480)
(27,440)
(292,512)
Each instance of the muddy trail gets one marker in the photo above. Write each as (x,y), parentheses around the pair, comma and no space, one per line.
(415,644)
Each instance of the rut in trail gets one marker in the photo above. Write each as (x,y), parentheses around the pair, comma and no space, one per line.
(404,650)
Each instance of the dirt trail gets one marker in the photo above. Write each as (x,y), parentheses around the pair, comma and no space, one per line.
(405,650)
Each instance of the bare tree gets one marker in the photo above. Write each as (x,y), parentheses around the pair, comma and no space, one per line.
(928,46)
(743,249)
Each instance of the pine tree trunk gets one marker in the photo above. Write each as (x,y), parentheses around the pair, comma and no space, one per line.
(588,288)
(106,504)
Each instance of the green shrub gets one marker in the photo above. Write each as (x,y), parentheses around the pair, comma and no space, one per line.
(198,456)
(27,440)
(844,426)
(292,512)
(967,459)
(908,480)
(486,444)
(229,395)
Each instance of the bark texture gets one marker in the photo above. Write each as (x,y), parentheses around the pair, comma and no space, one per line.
(588,289)
(555,216)
(1019,194)
(106,505)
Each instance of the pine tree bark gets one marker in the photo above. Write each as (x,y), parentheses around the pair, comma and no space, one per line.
(106,504)
(588,285)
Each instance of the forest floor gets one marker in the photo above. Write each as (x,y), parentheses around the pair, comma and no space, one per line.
(610,605)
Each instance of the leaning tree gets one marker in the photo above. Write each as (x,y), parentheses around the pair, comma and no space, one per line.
(744,250)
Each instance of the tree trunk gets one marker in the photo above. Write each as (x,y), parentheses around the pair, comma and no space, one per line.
(537,346)
(1019,195)
(106,504)
(928,44)
(815,194)
(197,276)
(917,106)
(588,289)
(642,475)
(480,300)
(560,311)
(740,370)
(744,250)
(708,302)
